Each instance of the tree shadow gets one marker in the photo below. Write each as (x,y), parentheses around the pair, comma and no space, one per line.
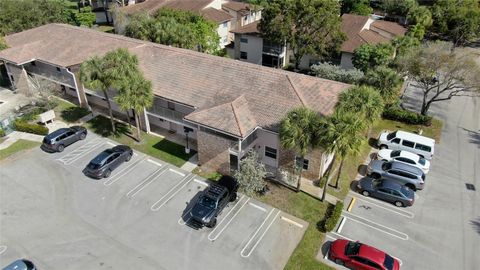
(474,136)
(353,185)
(173,149)
(101,125)
(476,224)
(362,169)
(73,114)
(373,142)
(328,213)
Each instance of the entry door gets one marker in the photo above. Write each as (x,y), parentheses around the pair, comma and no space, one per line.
(233,163)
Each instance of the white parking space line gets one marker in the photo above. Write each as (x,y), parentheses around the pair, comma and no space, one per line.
(154,162)
(80,152)
(3,249)
(147,181)
(339,230)
(397,234)
(291,221)
(229,221)
(159,204)
(341,236)
(387,207)
(200,182)
(261,236)
(177,172)
(258,207)
(112,144)
(123,172)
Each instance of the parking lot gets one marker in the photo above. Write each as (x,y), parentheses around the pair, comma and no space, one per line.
(136,219)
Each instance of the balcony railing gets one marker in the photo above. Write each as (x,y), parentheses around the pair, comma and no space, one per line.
(272,49)
(168,113)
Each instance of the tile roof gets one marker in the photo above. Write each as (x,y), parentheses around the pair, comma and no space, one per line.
(236,6)
(251,28)
(149,6)
(256,95)
(353,27)
(187,5)
(215,15)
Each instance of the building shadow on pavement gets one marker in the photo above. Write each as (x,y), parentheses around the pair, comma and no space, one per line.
(474,136)
(476,224)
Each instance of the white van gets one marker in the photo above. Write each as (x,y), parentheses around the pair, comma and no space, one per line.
(401,140)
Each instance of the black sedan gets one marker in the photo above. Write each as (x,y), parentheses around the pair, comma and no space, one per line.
(104,163)
(63,137)
(386,190)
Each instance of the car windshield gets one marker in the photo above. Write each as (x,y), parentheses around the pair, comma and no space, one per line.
(207,202)
(47,141)
(386,166)
(395,153)
(391,135)
(388,263)
(352,248)
(422,161)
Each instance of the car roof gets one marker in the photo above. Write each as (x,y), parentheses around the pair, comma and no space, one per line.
(19,265)
(57,133)
(415,137)
(409,155)
(102,156)
(391,184)
(372,254)
(120,148)
(406,167)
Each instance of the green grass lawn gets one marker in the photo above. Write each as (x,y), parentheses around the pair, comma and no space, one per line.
(307,208)
(151,145)
(18,146)
(213,176)
(69,112)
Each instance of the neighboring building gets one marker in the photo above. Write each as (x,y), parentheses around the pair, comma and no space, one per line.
(242,13)
(231,106)
(359,30)
(209,9)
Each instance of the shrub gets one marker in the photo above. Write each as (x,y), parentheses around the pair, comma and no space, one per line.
(336,73)
(30,128)
(251,174)
(2,132)
(407,117)
(333,217)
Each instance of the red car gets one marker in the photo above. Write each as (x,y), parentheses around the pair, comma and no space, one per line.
(358,256)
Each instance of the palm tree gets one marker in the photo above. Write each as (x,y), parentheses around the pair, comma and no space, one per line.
(297,133)
(93,75)
(135,94)
(341,134)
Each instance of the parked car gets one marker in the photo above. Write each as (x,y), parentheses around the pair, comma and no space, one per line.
(22,264)
(358,256)
(386,190)
(213,200)
(405,157)
(401,140)
(63,137)
(104,163)
(405,174)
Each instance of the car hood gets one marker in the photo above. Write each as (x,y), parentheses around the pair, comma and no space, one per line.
(384,154)
(200,212)
(383,137)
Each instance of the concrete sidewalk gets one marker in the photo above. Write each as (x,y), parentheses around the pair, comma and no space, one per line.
(190,164)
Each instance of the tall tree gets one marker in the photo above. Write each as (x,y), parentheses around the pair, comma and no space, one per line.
(457,19)
(440,73)
(309,27)
(364,101)
(3,43)
(297,133)
(359,7)
(94,76)
(369,56)
(386,81)
(341,134)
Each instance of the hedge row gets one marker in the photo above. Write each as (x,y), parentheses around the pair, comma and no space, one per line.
(333,217)
(407,117)
(30,128)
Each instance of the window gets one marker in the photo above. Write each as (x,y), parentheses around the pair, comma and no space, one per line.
(72,89)
(397,141)
(244,40)
(423,147)
(171,105)
(58,69)
(406,160)
(33,63)
(245,18)
(396,193)
(225,24)
(243,55)
(408,143)
(299,162)
(384,190)
(270,152)
(391,135)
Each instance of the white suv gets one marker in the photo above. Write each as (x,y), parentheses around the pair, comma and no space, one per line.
(404,157)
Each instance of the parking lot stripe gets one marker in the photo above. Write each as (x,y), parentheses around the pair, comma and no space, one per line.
(387,207)
(200,182)
(258,207)
(291,221)
(339,230)
(396,233)
(3,249)
(79,152)
(112,144)
(229,221)
(147,181)
(185,181)
(177,172)
(341,236)
(261,236)
(352,202)
(154,162)
(123,172)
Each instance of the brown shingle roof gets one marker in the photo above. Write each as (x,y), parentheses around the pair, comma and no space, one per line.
(187,5)
(149,6)
(236,6)
(390,27)
(196,79)
(251,28)
(216,15)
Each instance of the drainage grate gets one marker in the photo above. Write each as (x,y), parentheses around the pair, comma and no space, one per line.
(470,186)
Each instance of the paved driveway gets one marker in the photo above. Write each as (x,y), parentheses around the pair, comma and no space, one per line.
(442,229)
(136,219)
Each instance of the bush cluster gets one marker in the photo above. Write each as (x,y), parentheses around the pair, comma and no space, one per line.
(407,117)
(333,217)
(30,128)
(336,73)
(2,132)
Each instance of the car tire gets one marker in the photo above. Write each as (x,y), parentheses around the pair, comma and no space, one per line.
(398,204)
(383,146)
(412,187)
(212,223)
(233,197)
(129,156)
(375,176)
(107,173)
(60,148)
(83,136)
(339,262)
(365,193)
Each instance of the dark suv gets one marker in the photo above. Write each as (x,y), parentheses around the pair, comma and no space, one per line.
(104,163)
(213,200)
(61,138)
